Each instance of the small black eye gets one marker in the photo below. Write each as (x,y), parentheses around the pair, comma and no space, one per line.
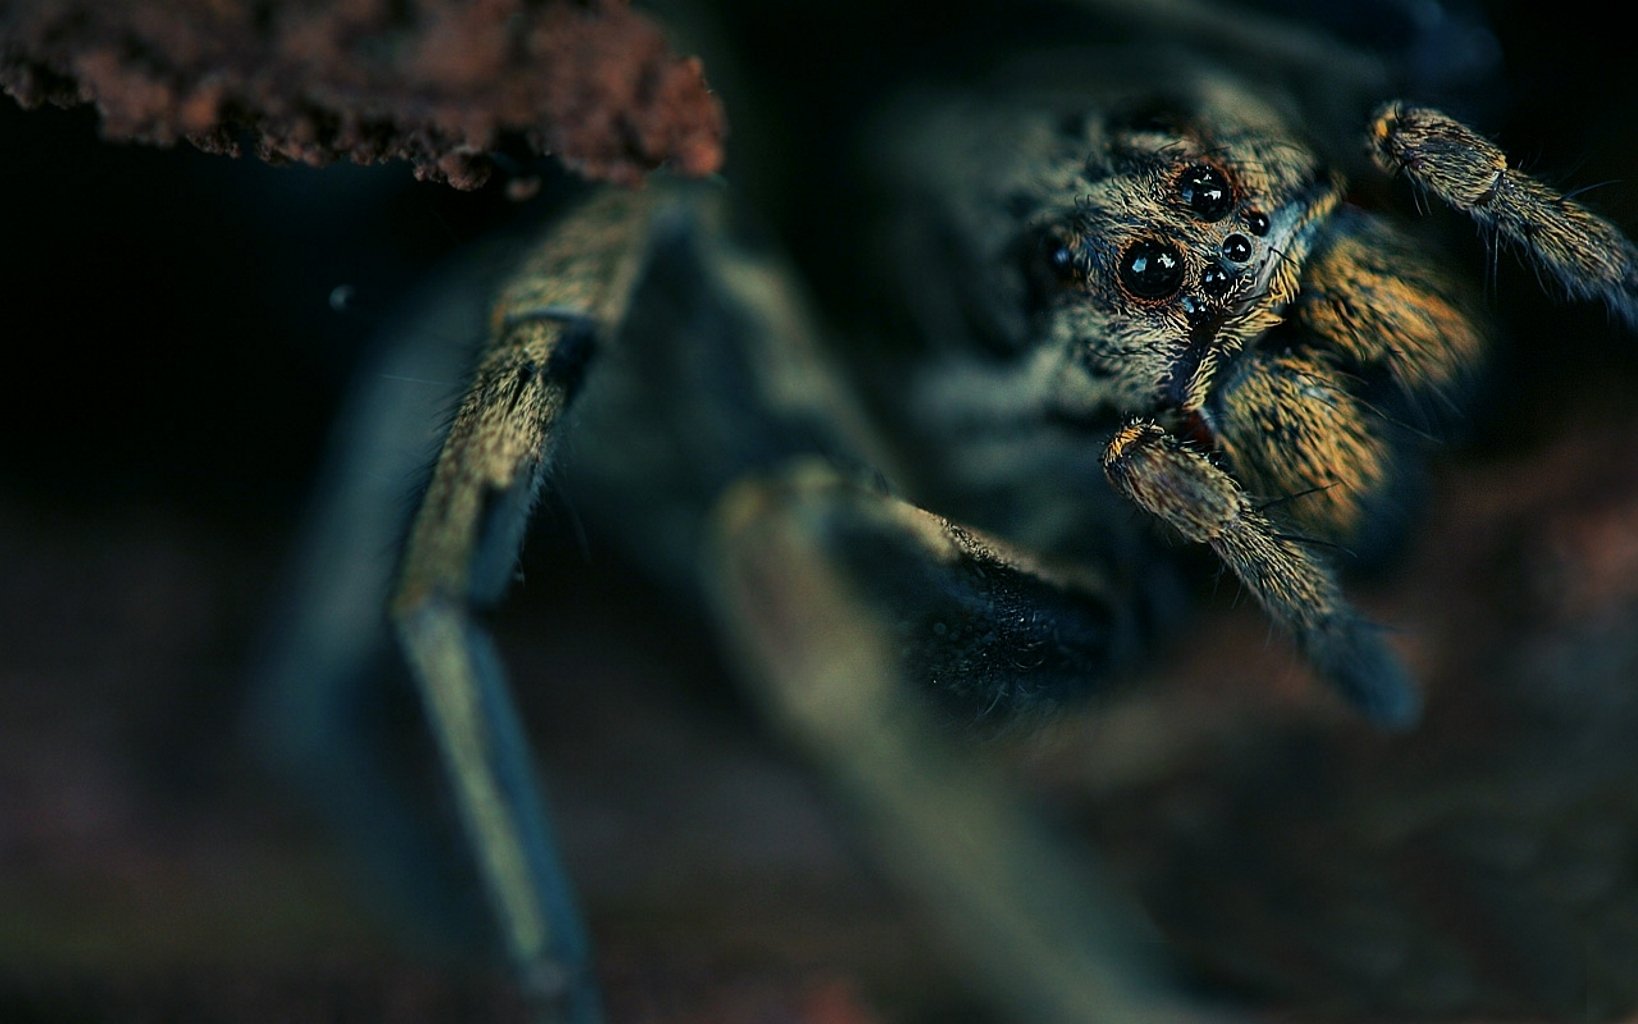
(1060,259)
(1151,270)
(1237,247)
(1216,282)
(1205,190)
(1257,221)
(1053,257)
(1053,266)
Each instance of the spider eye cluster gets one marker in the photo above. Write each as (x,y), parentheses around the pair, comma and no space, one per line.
(1151,269)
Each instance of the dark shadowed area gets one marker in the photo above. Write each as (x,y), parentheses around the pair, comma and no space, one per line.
(181,330)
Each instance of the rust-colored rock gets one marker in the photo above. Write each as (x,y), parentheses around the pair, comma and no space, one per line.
(435,82)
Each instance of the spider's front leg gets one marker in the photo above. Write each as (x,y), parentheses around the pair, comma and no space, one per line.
(1182,487)
(461,554)
(1588,256)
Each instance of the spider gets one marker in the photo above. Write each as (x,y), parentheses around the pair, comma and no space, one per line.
(1137,316)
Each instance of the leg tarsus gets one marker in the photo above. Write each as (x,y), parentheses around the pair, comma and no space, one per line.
(330,708)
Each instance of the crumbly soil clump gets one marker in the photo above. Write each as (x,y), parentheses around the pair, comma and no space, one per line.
(440,83)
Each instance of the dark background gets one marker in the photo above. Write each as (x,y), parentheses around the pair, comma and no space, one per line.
(172,367)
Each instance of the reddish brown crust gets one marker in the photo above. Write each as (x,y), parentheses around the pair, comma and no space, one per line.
(436,82)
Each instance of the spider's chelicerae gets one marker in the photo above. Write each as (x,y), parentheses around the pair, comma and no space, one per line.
(1140,316)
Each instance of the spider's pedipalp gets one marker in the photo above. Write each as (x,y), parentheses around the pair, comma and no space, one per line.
(1180,486)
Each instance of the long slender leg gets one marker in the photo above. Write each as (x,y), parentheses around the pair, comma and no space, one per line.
(1590,257)
(835,657)
(1180,486)
(329,678)
(461,551)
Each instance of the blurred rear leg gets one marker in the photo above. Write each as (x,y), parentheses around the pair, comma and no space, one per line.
(828,590)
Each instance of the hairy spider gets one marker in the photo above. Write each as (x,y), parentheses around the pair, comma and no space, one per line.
(1134,300)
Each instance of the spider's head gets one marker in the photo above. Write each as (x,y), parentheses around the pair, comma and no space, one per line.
(1178,241)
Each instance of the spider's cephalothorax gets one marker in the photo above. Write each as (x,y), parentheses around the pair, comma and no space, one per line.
(1187,283)
(1173,244)
(1214,279)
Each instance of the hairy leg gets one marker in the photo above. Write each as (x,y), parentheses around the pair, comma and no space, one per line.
(333,715)
(1586,254)
(461,553)
(1376,297)
(1183,488)
(839,661)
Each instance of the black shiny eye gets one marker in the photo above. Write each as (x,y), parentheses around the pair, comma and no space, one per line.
(1053,266)
(1151,270)
(1053,257)
(1059,259)
(1216,282)
(1205,190)
(1257,222)
(1237,247)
